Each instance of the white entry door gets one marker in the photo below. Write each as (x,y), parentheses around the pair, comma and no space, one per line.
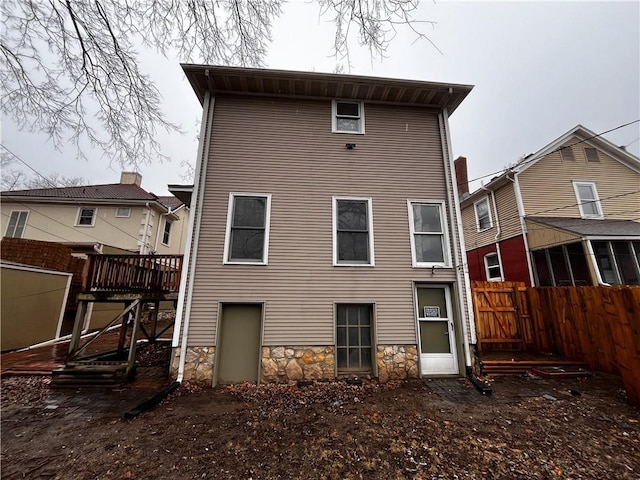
(437,335)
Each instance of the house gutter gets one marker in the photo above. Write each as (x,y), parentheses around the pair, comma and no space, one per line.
(183,309)
(144,248)
(456,230)
(496,239)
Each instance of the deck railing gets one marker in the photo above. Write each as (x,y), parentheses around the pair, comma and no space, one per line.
(133,273)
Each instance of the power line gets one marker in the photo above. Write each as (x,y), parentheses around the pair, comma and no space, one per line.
(528,160)
(75,200)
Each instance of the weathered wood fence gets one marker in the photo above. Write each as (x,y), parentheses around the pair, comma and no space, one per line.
(599,326)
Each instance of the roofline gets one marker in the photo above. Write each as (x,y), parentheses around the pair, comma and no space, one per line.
(587,136)
(192,71)
(81,201)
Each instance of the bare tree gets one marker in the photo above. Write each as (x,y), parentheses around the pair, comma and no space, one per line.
(68,61)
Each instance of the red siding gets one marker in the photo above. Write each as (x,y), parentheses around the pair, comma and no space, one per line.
(513,258)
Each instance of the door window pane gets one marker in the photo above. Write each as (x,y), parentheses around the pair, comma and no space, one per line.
(432,297)
(434,337)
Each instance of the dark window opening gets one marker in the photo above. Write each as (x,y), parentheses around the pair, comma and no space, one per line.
(354,338)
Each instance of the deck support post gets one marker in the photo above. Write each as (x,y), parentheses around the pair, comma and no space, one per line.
(81,313)
(132,344)
(123,328)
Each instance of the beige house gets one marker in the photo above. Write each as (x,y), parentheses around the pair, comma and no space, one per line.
(568,214)
(325,237)
(112,218)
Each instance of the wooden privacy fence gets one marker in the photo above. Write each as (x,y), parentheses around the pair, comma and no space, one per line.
(599,326)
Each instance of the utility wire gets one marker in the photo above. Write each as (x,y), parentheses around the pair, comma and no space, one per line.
(75,200)
(528,160)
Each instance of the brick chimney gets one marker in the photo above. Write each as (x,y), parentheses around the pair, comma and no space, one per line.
(133,178)
(462,178)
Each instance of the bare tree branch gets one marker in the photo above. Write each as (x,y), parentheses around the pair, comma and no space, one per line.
(70,68)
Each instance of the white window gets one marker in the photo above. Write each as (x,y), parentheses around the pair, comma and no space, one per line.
(347,116)
(166,234)
(429,235)
(588,201)
(86,216)
(483,214)
(352,231)
(247,235)
(17,222)
(493,268)
(124,212)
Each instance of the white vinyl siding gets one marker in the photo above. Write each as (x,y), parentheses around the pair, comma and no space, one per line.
(429,234)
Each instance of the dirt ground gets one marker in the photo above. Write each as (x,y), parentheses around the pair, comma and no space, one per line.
(440,429)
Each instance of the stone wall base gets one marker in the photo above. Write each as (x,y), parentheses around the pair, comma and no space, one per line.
(397,362)
(198,366)
(286,364)
(293,363)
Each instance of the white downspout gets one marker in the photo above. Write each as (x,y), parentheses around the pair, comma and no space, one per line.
(523,225)
(155,244)
(456,230)
(496,239)
(183,310)
(144,249)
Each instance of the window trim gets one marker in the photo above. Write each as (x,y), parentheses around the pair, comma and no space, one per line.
(567,154)
(24,227)
(93,218)
(596,159)
(123,208)
(446,249)
(580,202)
(334,116)
(334,222)
(486,267)
(475,209)
(267,225)
(164,230)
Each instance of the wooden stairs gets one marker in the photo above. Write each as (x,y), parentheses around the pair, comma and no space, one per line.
(93,372)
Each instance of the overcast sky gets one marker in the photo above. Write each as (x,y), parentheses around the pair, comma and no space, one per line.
(539,69)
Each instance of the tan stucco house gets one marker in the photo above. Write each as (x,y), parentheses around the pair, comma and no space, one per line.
(325,238)
(112,218)
(567,215)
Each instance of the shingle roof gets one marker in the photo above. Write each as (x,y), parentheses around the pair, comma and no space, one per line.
(113,191)
(589,227)
(170,201)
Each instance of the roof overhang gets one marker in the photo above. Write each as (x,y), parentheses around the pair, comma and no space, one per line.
(256,81)
(182,193)
(25,199)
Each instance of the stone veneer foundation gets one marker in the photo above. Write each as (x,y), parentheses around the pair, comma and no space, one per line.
(198,365)
(287,364)
(397,362)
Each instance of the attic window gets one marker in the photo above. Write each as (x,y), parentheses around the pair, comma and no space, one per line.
(347,117)
(567,154)
(591,154)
